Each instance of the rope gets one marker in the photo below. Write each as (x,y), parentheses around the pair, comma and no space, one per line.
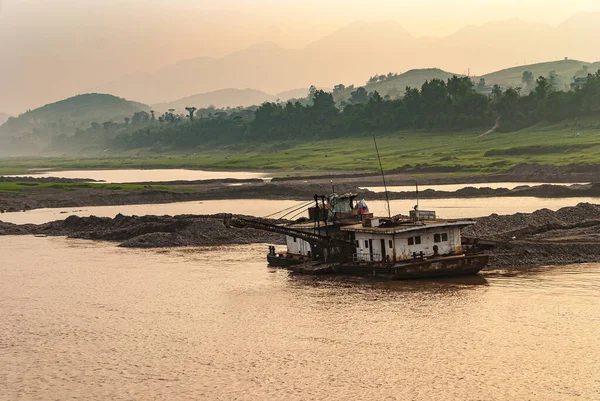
(288,208)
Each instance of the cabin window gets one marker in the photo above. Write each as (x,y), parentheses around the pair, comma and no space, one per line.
(357,244)
(294,239)
(390,244)
(417,240)
(367,244)
(411,241)
(440,237)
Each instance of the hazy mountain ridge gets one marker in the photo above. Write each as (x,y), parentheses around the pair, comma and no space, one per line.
(396,85)
(229,97)
(69,114)
(220,99)
(362,49)
(4,117)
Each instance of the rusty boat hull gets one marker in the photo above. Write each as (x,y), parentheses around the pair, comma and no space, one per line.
(282,260)
(457,265)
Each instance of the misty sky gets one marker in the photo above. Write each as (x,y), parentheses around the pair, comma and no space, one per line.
(82,43)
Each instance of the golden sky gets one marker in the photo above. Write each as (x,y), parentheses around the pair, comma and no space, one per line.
(82,43)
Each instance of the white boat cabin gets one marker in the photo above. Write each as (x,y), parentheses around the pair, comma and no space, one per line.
(400,241)
(299,247)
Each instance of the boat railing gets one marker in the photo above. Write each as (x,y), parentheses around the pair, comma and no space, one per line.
(366,257)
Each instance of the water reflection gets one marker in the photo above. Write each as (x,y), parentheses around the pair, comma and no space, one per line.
(146,175)
(456,187)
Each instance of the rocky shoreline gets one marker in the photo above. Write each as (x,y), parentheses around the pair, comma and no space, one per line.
(36,198)
(569,235)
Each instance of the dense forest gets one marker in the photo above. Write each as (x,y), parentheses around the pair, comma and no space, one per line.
(452,105)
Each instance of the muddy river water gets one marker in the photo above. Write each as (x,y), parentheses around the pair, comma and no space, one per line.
(88,320)
(445,208)
(143,175)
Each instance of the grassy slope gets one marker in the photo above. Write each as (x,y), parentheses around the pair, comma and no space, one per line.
(397,85)
(77,111)
(510,77)
(565,69)
(556,144)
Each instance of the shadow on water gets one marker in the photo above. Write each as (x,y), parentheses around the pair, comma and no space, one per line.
(425,285)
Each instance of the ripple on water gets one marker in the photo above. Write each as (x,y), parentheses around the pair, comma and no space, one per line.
(98,322)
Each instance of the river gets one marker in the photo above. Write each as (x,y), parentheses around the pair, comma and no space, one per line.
(143,175)
(88,320)
(456,187)
(445,208)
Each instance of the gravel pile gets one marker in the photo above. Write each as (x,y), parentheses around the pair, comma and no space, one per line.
(525,224)
(148,231)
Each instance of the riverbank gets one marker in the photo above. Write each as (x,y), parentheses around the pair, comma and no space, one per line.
(464,153)
(569,235)
(33,193)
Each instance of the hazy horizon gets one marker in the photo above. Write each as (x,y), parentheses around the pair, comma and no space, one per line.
(53,49)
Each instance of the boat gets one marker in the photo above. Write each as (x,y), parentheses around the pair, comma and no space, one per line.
(415,247)
(340,236)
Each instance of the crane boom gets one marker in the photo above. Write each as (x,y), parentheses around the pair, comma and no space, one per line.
(311,238)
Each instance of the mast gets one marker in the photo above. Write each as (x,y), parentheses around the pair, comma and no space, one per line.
(387,198)
(417,207)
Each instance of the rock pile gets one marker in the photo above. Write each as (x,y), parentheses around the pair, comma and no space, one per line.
(522,225)
(148,231)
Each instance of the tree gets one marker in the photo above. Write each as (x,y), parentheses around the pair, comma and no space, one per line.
(553,81)
(191,111)
(339,88)
(496,92)
(542,88)
(527,80)
(170,116)
(359,96)
(481,85)
(127,119)
(140,117)
(152,113)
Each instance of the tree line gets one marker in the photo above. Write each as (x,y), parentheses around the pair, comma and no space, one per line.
(452,105)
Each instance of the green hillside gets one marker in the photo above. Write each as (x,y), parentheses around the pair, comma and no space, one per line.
(65,116)
(565,69)
(395,86)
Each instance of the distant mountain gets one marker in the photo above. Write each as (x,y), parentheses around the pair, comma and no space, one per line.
(347,55)
(230,98)
(395,86)
(362,49)
(295,94)
(65,116)
(219,99)
(3,117)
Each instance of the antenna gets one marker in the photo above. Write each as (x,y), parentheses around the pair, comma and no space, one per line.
(387,198)
(417,207)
